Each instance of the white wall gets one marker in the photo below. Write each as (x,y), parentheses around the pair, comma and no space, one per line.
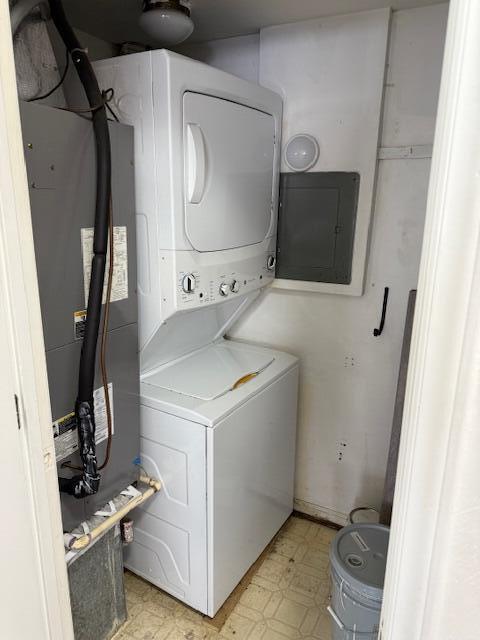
(348,377)
(239,56)
(98,49)
(333,68)
(416,49)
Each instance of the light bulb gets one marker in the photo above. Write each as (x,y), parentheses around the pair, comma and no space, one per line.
(167,23)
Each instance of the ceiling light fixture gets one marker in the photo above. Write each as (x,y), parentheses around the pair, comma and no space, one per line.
(167,23)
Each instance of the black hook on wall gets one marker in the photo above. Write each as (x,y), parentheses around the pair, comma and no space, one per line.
(378,332)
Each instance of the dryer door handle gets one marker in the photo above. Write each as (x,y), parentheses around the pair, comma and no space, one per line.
(196,164)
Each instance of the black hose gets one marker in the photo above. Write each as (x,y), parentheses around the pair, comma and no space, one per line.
(88,482)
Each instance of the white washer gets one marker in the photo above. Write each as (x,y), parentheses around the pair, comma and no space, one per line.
(218,417)
(226,461)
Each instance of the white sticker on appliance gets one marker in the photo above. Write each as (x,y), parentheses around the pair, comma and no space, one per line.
(65,428)
(363,546)
(100,408)
(120,264)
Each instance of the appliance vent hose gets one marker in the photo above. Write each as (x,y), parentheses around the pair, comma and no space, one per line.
(87,483)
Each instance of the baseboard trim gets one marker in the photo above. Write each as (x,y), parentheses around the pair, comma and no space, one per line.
(322,521)
(322,515)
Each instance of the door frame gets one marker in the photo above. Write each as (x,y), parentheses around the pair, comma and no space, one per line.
(432,584)
(32,423)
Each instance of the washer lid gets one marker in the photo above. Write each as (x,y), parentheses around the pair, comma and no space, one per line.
(359,555)
(211,372)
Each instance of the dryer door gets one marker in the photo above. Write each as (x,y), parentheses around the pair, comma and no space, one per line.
(229,151)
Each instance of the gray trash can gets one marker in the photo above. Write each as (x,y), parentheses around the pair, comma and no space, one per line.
(358,556)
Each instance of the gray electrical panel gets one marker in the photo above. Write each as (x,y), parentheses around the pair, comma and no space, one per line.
(316,226)
(60,158)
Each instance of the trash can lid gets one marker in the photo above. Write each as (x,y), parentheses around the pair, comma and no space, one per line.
(359,555)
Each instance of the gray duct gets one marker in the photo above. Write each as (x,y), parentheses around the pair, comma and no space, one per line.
(37,68)
(19,11)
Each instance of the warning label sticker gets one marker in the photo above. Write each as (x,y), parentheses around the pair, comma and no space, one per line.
(79,319)
(65,428)
(120,264)
(65,436)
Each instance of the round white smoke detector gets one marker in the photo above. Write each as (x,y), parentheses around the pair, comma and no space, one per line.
(301,152)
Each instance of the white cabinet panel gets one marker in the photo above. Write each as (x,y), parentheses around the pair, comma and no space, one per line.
(170,531)
(411,90)
(229,152)
(250,482)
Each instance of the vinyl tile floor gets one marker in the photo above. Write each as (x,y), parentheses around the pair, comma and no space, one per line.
(285,600)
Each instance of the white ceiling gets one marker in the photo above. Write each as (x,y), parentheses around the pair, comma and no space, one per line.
(116,20)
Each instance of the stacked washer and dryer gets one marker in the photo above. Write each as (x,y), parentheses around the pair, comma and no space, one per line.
(218,417)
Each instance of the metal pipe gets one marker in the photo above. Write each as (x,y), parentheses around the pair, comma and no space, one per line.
(84,541)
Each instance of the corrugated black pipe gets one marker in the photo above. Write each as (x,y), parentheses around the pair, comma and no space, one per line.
(88,482)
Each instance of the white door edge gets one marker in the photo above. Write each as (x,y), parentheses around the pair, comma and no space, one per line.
(21,308)
(432,585)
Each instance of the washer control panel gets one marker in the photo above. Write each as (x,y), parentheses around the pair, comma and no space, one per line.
(224,289)
(199,284)
(188,283)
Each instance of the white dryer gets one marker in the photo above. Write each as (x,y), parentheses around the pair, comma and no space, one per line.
(207,154)
(218,418)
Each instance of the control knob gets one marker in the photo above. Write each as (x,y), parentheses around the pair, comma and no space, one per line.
(235,286)
(224,289)
(189,283)
(271,262)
